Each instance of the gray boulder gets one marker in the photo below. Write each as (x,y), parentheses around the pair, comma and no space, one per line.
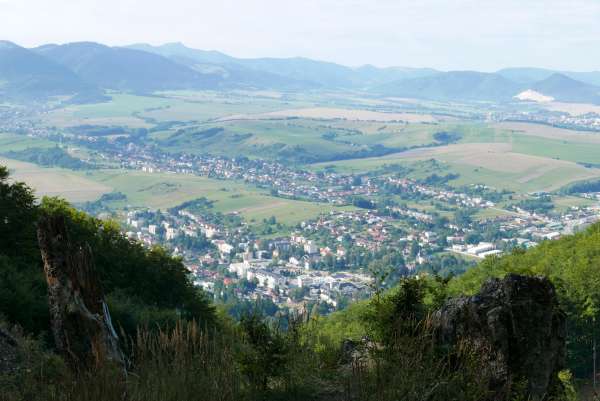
(517,325)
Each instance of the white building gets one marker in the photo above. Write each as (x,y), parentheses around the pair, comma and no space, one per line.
(311,248)
(171,233)
(480,248)
(223,246)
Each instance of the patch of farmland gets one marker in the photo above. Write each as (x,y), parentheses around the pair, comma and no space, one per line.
(546,131)
(329,113)
(493,164)
(55,182)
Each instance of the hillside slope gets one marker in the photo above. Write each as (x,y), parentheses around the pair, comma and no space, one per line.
(565,89)
(297,72)
(571,263)
(25,74)
(455,85)
(126,69)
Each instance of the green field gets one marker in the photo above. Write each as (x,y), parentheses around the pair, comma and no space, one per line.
(564,203)
(162,191)
(55,182)
(296,140)
(13,142)
(497,157)
(306,128)
(556,143)
(137,111)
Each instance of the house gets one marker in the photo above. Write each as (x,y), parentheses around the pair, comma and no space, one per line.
(311,248)
(223,246)
(171,234)
(190,232)
(325,251)
(480,248)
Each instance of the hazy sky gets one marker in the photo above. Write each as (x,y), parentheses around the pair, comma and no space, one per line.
(446,34)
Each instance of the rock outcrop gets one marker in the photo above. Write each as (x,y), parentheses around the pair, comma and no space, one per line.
(518,326)
(81,323)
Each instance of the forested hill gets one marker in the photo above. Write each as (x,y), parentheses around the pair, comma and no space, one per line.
(573,265)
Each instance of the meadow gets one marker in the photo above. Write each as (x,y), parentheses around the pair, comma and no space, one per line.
(162,191)
(521,158)
(13,142)
(139,110)
(55,182)
(334,130)
(331,113)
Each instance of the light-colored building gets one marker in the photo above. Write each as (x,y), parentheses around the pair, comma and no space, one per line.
(223,246)
(171,233)
(311,248)
(480,248)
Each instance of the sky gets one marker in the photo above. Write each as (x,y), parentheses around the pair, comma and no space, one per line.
(483,35)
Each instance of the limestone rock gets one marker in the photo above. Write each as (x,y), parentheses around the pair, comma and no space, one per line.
(517,322)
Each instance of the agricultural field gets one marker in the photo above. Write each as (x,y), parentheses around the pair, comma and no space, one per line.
(298,140)
(521,158)
(564,203)
(330,113)
(347,133)
(162,191)
(55,182)
(137,111)
(14,143)
(120,110)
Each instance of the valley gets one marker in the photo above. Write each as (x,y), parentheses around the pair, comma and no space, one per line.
(305,201)
(330,181)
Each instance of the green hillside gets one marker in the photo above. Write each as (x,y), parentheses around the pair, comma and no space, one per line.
(573,265)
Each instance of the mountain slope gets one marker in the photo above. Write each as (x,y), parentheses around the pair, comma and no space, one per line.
(126,69)
(232,71)
(282,72)
(311,73)
(525,75)
(25,74)
(455,85)
(179,50)
(298,69)
(529,75)
(372,76)
(565,89)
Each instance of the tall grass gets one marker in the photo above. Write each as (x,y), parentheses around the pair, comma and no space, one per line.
(415,368)
(186,363)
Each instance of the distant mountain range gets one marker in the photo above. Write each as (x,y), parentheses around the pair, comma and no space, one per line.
(86,69)
(25,74)
(295,72)
(125,69)
(497,87)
